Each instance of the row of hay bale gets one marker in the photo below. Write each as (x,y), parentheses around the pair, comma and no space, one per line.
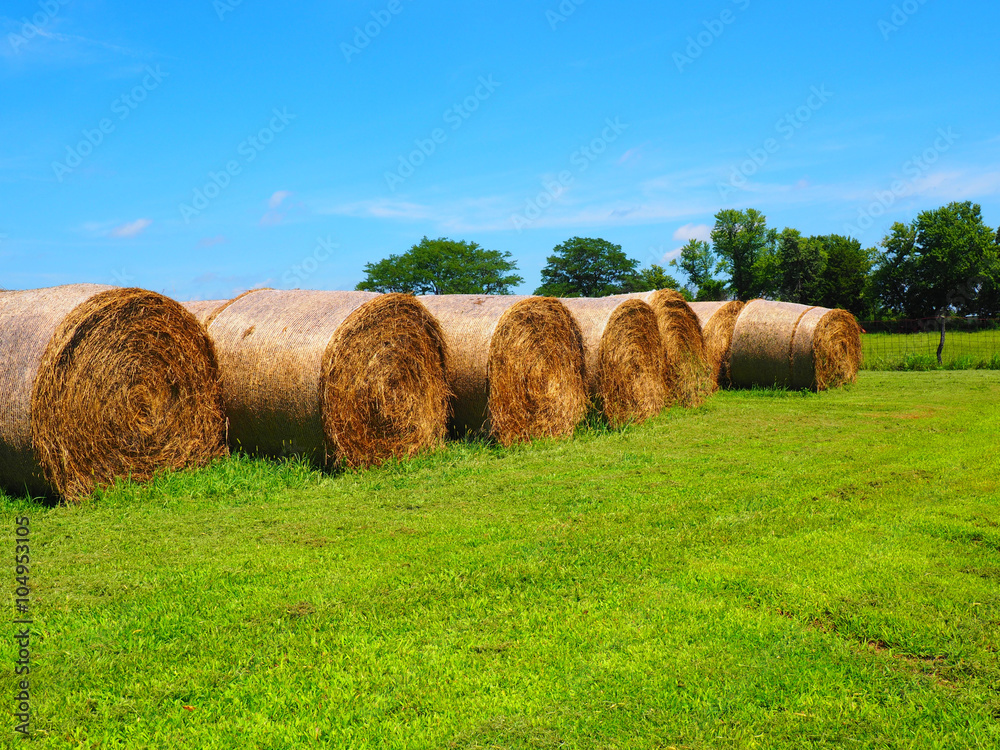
(99,382)
(763,343)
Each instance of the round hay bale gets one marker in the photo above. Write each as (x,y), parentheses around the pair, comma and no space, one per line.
(717,321)
(688,371)
(624,357)
(206,310)
(345,378)
(794,346)
(100,382)
(515,365)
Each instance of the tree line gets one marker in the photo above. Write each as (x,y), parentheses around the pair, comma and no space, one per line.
(944,262)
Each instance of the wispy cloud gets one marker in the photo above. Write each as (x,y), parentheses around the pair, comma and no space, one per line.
(687,198)
(700,232)
(633,154)
(132,229)
(212,241)
(382,208)
(212,285)
(958,184)
(273,217)
(277,198)
(27,43)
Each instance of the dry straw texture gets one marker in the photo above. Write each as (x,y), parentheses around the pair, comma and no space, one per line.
(717,321)
(688,371)
(346,378)
(515,365)
(204,310)
(795,346)
(625,362)
(99,383)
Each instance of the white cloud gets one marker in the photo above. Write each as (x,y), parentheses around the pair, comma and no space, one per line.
(278,198)
(381,208)
(632,154)
(957,185)
(132,229)
(271,219)
(701,232)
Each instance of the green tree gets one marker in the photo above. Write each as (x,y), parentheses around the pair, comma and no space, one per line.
(698,263)
(845,281)
(745,247)
(988,301)
(586,267)
(443,266)
(650,279)
(800,265)
(940,262)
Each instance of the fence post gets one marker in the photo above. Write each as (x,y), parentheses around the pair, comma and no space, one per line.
(941,345)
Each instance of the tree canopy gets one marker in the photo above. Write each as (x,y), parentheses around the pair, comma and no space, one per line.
(945,261)
(587,267)
(844,282)
(650,279)
(443,266)
(939,262)
(745,248)
(699,263)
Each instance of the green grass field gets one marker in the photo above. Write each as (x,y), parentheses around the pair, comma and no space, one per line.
(918,351)
(773,569)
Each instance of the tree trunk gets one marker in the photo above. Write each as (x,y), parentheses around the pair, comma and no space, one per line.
(941,345)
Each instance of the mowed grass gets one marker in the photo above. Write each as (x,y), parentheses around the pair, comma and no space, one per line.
(773,569)
(963,350)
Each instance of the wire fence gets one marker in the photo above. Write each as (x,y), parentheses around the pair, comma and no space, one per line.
(968,343)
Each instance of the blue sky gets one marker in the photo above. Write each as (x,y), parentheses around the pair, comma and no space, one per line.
(200,148)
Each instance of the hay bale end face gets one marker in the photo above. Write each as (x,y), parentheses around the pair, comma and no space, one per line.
(345,378)
(99,383)
(717,321)
(515,365)
(625,361)
(688,371)
(794,346)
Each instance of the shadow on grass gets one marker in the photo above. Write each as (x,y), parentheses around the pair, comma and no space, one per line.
(240,478)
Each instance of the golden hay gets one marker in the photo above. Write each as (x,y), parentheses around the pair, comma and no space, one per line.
(795,346)
(206,310)
(688,371)
(717,321)
(100,383)
(515,365)
(625,361)
(345,378)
